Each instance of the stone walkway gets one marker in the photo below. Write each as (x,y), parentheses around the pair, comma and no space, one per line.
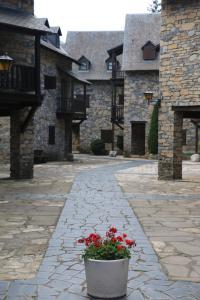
(95,202)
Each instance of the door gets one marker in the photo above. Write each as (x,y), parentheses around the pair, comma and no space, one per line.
(75,137)
(138,138)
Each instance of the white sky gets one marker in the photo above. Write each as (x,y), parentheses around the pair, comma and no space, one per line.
(88,15)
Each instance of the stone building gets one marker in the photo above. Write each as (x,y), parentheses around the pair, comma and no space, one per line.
(179,80)
(46,129)
(141,66)
(20,93)
(90,49)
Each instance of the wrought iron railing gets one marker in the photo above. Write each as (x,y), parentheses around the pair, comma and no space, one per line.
(118,74)
(20,78)
(117,113)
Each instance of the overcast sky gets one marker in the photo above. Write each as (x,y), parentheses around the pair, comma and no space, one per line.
(80,15)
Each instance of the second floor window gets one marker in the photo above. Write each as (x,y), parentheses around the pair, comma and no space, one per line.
(49,82)
(84,64)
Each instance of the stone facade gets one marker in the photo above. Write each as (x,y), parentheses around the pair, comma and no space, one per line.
(179,79)
(4,139)
(98,114)
(136,108)
(45,115)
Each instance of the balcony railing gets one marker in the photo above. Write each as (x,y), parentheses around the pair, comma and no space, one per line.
(118,74)
(117,113)
(19,79)
(75,107)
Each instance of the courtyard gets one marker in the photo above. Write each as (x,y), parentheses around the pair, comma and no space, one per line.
(42,218)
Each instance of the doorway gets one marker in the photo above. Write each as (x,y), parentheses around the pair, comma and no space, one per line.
(75,137)
(138,138)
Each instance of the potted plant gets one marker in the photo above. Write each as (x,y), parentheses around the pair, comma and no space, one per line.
(106,263)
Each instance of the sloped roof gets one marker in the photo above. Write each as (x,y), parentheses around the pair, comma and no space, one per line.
(22,21)
(60,50)
(74,76)
(139,29)
(93,45)
(57,30)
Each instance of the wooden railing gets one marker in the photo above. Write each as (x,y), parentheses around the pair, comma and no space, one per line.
(71,106)
(117,113)
(20,78)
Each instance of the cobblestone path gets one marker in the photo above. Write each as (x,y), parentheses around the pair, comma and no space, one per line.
(95,202)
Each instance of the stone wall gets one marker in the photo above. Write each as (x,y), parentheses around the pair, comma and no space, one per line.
(22,5)
(45,115)
(179,78)
(99,114)
(4,139)
(135,106)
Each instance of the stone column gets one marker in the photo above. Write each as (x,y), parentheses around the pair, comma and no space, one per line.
(68,140)
(21,146)
(170,145)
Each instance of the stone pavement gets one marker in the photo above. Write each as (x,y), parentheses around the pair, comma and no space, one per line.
(169,212)
(95,202)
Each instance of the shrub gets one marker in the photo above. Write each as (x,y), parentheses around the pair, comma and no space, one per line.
(153,132)
(98,147)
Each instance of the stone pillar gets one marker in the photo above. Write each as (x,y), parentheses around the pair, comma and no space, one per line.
(68,140)
(21,146)
(170,146)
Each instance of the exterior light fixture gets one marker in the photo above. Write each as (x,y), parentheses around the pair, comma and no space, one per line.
(148,96)
(5,62)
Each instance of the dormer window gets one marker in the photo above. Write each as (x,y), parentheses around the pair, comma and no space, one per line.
(84,64)
(109,64)
(150,51)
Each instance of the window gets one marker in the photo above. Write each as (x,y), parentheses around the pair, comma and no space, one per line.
(49,82)
(149,51)
(84,64)
(121,99)
(109,64)
(51,135)
(106,136)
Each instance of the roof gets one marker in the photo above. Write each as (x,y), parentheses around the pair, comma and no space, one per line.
(57,30)
(93,45)
(60,50)
(23,21)
(139,29)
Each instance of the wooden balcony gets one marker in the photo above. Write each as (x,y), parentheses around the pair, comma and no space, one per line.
(73,108)
(19,79)
(117,114)
(17,89)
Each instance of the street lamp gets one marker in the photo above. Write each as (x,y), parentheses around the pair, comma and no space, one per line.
(5,62)
(149,98)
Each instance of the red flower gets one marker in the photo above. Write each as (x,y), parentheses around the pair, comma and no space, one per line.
(119,238)
(112,229)
(124,235)
(130,243)
(81,241)
(120,247)
(114,240)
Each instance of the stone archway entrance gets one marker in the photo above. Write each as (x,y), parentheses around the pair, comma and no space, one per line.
(170,140)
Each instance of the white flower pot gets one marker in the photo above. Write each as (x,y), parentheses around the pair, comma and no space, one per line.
(106,279)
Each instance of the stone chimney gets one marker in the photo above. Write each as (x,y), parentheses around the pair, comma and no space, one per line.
(21,5)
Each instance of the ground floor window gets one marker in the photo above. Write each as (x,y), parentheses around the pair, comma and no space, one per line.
(51,139)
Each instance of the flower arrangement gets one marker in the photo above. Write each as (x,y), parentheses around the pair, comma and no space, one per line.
(110,247)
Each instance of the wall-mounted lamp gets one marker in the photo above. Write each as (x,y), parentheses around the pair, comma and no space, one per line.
(149,98)
(5,62)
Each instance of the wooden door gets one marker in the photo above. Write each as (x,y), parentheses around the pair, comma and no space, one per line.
(138,138)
